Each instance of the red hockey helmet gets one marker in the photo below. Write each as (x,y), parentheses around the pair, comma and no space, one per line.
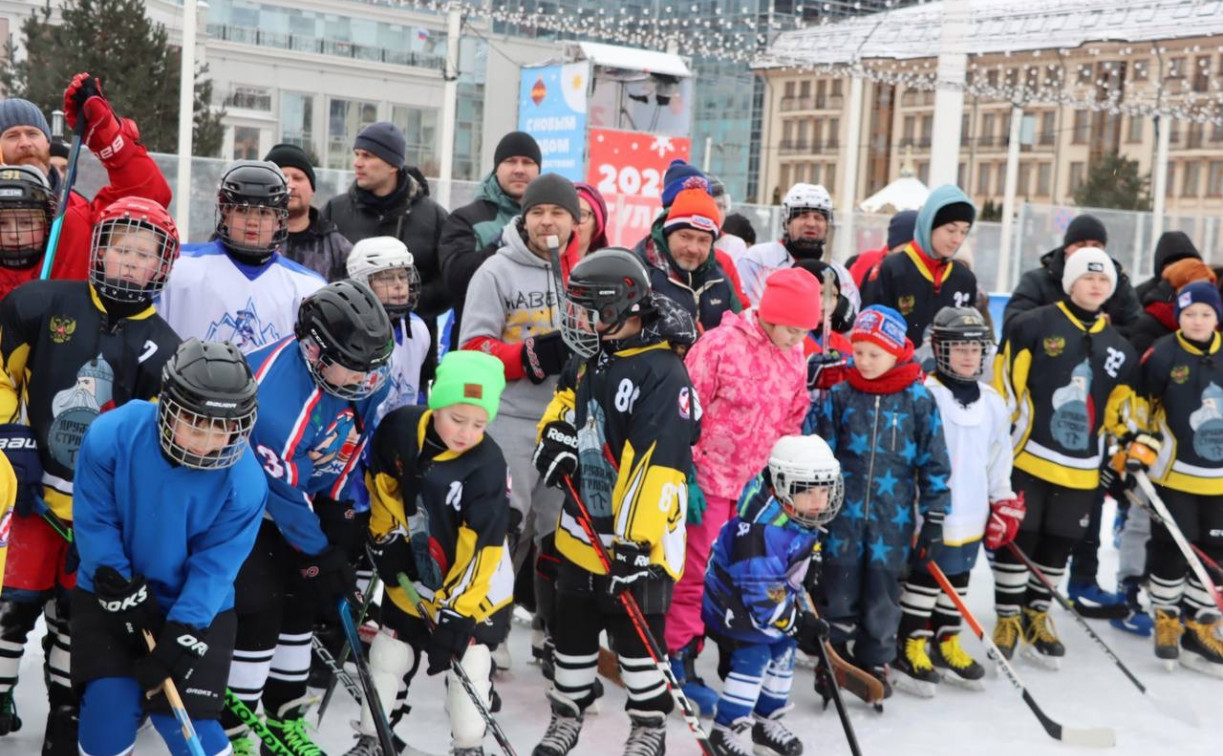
(135,242)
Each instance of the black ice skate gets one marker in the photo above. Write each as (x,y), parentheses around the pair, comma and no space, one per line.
(915,673)
(1043,647)
(563,730)
(61,734)
(648,737)
(963,670)
(728,740)
(9,721)
(771,737)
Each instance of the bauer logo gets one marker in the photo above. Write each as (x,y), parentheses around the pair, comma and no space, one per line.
(220,405)
(18,443)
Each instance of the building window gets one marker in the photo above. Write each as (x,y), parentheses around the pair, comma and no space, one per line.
(909,128)
(1025,180)
(1012,77)
(249,97)
(830,177)
(1044,179)
(804,89)
(987,129)
(789,90)
(817,132)
(1141,70)
(1048,127)
(1190,178)
(983,178)
(1080,127)
(787,135)
(965,135)
(1076,175)
(927,129)
(1216,133)
(345,120)
(1085,73)
(1201,74)
(836,88)
(1174,131)
(1176,68)
(1134,134)
(785,176)
(297,123)
(1170,181)
(1001,179)
(961,175)
(1214,179)
(419,127)
(834,133)
(246,143)
(814,175)
(923,173)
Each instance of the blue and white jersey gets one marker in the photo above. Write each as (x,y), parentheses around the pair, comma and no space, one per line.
(214,297)
(407,360)
(308,441)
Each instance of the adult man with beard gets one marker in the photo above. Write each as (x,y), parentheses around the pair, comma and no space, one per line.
(313,241)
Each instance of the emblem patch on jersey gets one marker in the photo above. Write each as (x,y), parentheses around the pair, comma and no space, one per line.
(74,408)
(1054,346)
(244,328)
(62,329)
(1074,411)
(905,304)
(776,593)
(685,403)
(1207,424)
(336,445)
(1179,374)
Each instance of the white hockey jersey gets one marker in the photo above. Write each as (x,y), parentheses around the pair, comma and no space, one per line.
(760,260)
(978,439)
(215,298)
(407,359)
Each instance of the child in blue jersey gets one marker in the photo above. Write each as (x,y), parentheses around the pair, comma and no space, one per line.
(753,605)
(168,502)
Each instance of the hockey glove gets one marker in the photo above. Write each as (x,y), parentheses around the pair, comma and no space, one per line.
(556,456)
(543,356)
(1005,515)
(449,640)
(930,537)
(84,99)
(343,525)
(1140,454)
(179,648)
(1113,480)
(18,444)
(630,563)
(392,554)
(810,632)
(825,370)
(696,501)
(329,575)
(129,604)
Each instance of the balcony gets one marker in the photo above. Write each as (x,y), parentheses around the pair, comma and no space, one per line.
(248,99)
(322,46)
(915,99)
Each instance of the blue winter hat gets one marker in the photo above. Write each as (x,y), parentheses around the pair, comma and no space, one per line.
(884,327)
(1199,292)
(681,175)
(18,112)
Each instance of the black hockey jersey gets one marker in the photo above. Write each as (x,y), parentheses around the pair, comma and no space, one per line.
(1184,387)
(69,361)
(456,513)
(902,282)
(1066,383)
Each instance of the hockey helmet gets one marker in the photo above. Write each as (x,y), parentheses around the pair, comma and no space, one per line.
(605,288)
(380,260)
(954,326)
(135,243)
(344,332)
(207,407)
(803,463)
(27,207)
(259,192)
(800,199)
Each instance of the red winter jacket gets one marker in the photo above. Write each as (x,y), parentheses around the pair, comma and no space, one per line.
(864,263)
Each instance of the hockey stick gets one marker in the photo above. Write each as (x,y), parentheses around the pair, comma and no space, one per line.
(464,679)
(57,225)
(337,671)
(385,739)
(366,601)
(1093,737)
(1185,715)
(180,711)
(1210,564)
(272,744)
(633,610)
(821,648)
(1195,564)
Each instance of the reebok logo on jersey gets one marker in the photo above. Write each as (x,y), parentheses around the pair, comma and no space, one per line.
(192,644)
(123,605)
(18,443)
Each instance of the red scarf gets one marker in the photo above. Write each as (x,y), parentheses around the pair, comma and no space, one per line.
(904,374)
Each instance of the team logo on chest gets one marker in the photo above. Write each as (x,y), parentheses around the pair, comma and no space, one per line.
(1054,346)
(336,445)
(905,304)
(1179,374)
(62,329)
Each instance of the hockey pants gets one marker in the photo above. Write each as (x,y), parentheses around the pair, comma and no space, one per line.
(111,710)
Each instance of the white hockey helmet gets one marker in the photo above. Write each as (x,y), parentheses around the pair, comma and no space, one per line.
(803,197)
(378,254)
(800,463)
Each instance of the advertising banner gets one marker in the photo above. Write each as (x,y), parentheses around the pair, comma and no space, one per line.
(627,168)
(552,108)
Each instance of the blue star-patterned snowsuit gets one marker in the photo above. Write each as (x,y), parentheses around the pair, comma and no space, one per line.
(894,459)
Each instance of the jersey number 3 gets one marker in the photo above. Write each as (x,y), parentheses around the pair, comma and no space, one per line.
(271,462)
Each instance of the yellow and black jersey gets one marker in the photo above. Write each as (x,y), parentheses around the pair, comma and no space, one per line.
(1183,384)
(68,361)
(903,282)
(637,417)
(1066,383)
(457,517)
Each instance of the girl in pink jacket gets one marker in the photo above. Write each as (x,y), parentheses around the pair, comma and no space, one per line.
(751,379)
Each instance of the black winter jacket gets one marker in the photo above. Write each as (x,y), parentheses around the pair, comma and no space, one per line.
(321,248)
(1043,286)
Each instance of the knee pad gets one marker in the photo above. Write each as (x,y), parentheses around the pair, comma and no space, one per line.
(466,723)
(391,662)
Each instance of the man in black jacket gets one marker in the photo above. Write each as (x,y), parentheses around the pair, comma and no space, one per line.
(1043,285)
(1173,246)
(313,242)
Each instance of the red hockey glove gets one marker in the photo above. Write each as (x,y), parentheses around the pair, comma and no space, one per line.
(103,134)
(1004,518)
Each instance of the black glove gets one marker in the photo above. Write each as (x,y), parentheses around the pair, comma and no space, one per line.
(179,648)
(630,563)
(18,444)
(330,576)
(449,640)
(343,525)
(392,554)
(556,456)
(825,370)
(129,604)
(810,632)
(930,539)
(543,356)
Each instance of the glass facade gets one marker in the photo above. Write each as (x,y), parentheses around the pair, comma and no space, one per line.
(345,119)
(297,123)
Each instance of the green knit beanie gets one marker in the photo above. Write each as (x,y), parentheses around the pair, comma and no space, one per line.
(468,377)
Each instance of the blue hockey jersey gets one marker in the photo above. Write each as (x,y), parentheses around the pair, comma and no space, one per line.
(187,531)
(756,570)
(308,441)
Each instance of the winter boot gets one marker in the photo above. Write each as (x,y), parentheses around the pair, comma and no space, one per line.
(683,666)
(1093,602)
(648,737)
(61,733)
(915,673)
(1137,621)
(367,745)
(9,721)
(771,737)
(563,730)
(1044,647)
(727,740)
(1007,634)
(1203,644)
(289,725)
(963,670)
(1168,631)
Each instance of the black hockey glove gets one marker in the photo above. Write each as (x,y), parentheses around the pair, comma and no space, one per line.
(930,538)
(392,554)
(343,525)
(630,563)
(179,648)
(557,453)
(449,640)
(18,444)
(129,604)
(330,576)
(543,356)
(825,370)
(810,632)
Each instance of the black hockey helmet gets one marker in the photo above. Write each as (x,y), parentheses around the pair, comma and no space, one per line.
(206,410)
(344,324)
(605,288)
(959,325)
(23,232)
(259,189)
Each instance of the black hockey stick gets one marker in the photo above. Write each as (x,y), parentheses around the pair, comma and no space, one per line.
(457,667)
(1181,713)
(245,715)
(657,655)
(832,684)
(366,600)
(385,739)
(338,672)
(1094,737)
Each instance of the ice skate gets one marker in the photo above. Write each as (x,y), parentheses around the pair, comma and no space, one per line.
(1043,647)
(648,737)
(1203,644)
(962,669)
(727,740)
(563,730)
(367,745)
(914,672)
(1136,621)
(61,734)
(1168,629)
(772,738)
(289,725)
(9,721)
(242,744)
(1093,602)
(1007,633)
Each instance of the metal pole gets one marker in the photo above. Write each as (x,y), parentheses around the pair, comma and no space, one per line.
(186,122)
(846,241)
(1160,180)
(450,97)
(708,149)
(1008,199)
(949,93)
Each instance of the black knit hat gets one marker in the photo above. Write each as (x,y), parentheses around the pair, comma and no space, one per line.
(517,144)
(292,156)
(385,140)
(954,212)
(552,189)
(1085,228)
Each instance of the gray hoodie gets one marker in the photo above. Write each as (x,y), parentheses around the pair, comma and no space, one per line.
(510,297)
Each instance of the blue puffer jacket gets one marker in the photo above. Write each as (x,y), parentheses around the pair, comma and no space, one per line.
(892,455)
(756,570)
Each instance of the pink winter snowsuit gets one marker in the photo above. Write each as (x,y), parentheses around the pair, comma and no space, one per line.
(751,394)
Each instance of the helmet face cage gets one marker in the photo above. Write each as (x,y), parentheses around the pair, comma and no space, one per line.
(579,326)
(130,258)
(788,481)
(381,280)
(259,221)
(173,417)
(942,343)
(319,361)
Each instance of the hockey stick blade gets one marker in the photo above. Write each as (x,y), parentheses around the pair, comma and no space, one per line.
(1087,737)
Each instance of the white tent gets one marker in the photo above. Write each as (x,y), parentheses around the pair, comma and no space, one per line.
(905,193)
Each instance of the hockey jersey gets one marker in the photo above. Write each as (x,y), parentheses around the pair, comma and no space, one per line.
(308,441)
(453,506)
(213,297)
(67,361)
(978,441)
(761,260)
(407,359)
(1066,383)
(1183,385)
(902,281)
(186,531)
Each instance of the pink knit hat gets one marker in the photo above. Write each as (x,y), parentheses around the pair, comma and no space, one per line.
(791,298)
